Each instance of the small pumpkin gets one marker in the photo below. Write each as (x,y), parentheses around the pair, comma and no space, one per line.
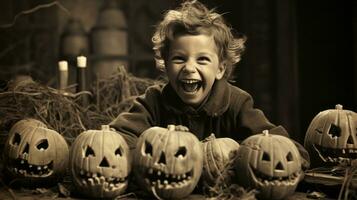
(218,155)
(168,161)
(269,163)
(100,163)
(331,137)
(34,154)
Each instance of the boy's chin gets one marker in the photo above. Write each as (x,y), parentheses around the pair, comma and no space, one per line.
(193,99)
(194,102)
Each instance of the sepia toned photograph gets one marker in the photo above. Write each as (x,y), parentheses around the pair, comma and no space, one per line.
(178,99)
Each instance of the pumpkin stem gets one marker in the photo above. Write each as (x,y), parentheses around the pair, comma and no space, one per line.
(171,127)
(339,107)
(266,132)
(105,127)
(209,138)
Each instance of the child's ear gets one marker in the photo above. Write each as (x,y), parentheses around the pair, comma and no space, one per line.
(221,71)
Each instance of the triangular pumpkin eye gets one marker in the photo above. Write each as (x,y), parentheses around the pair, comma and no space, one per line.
(162,159)
(350,140)
(119,151)
(16,139)
(89,151)
(335,131)
(289,157)
(181,152)
(42,145)
(266,156)
(148,148)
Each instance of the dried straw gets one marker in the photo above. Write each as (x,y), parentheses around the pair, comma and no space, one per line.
(348,174)
(115,94)
(64,112)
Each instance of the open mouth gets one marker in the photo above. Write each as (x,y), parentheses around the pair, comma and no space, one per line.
(161,179)
(190,85)
(95,179)
(335,155)
(265,180)
(22,167)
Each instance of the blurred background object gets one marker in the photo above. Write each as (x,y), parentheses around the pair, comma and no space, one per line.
(109,40)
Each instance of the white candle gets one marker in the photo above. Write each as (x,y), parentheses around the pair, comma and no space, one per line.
(63,65)
(81,77)
(63,74)
(81,61)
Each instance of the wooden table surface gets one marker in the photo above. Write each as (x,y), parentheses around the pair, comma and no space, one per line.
(11,194)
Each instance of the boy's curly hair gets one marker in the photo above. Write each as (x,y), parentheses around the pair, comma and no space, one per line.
(192,17)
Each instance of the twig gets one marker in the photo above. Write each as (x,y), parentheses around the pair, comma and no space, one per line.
(25,12)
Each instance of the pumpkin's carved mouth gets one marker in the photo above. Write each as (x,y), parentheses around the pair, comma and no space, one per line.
(22,167)
(95,179)
(265,180)
(161,179)
(335,155)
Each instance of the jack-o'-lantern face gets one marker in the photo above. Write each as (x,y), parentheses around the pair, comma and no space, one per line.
(269,163)
(35,153)
(168,162)
(332,137)
(100,163)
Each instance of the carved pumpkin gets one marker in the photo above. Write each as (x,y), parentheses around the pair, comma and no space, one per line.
(168,161)
(218,154)
(33,153)
(332,137)
(100,163)
(269,163)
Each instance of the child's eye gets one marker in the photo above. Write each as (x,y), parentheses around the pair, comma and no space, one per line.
(203,60)
(177,59)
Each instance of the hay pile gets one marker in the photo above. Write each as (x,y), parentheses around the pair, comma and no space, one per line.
(343,175)
(64,112)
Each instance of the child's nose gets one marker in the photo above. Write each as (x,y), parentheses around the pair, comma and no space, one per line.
(190,67)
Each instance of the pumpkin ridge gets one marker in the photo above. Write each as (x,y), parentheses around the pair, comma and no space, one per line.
(350,126)
(272,149)
(213,161)
(91,145)
(167,141)
(55,145)
(325,125)
(155,141)
(102,155)
(163,144)
(81,149)
(31,138)
(178,144)
(221,155)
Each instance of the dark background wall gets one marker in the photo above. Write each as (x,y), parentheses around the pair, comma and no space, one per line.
(326,55)
(300,57)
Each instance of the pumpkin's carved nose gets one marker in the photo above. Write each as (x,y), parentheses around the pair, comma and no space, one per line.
(104,163)
(162,159)
(26,150)
(279,166)
(350,140)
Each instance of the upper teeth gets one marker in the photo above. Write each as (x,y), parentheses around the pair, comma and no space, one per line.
(189,81)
